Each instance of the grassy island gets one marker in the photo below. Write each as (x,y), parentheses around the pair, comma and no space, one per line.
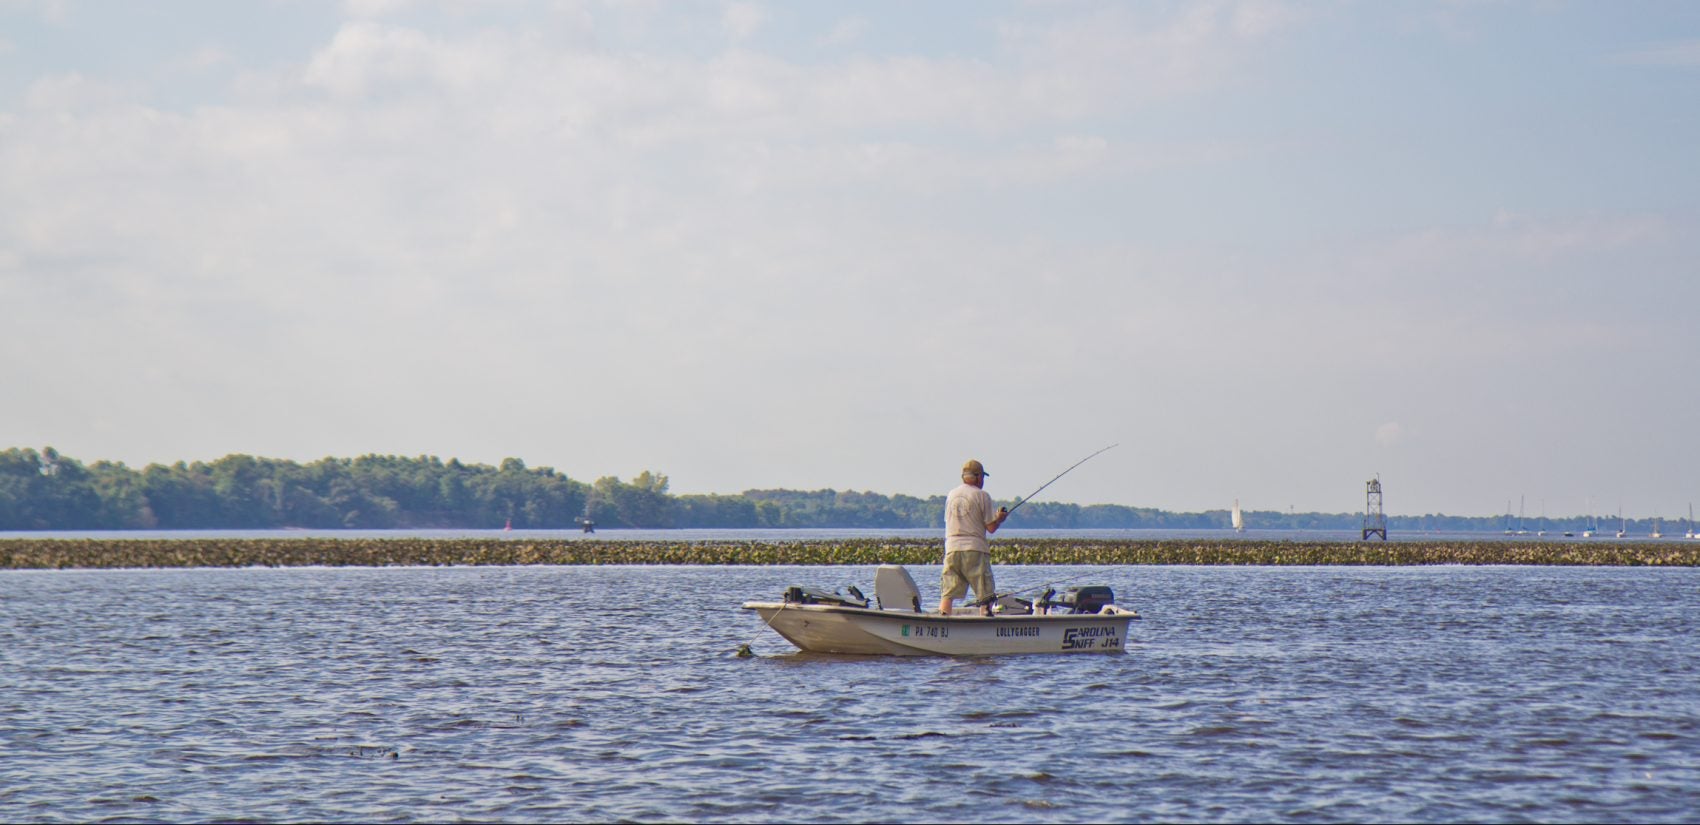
(36,553)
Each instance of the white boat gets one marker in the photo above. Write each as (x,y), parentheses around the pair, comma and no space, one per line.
(1691,534)
(1239,521)
(1658,528)
(1084,620)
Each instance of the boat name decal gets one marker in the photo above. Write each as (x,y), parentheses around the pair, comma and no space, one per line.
(1079,638)
(1030,630)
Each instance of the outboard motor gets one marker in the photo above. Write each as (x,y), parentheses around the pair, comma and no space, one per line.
(1089,599)
(894,589)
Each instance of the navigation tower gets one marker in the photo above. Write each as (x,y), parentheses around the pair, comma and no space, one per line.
(1375,522)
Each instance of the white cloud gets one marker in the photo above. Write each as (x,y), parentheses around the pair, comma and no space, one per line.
(205,58)
(367,58)
(375,8)
(740,19)
(75,92)
(52,11)
(1121,56)
(1261,18)
(846,31)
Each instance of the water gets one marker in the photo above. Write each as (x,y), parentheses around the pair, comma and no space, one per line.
(607,693)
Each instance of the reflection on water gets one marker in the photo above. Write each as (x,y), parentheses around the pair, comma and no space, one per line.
(544,693)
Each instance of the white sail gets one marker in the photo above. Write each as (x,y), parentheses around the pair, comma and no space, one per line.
(1239,522)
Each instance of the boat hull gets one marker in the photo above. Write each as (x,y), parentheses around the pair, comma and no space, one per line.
(817,628)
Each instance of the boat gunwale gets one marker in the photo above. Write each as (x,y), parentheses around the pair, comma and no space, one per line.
(1122,615)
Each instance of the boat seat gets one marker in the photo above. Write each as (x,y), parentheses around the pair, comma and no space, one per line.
(894,589)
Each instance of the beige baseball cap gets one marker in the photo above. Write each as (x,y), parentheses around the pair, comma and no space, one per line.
(974,467)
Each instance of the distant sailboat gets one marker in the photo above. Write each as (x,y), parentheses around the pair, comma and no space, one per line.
(1239,521)
(1622,523)
(1658,528)
(1691,534)
(1508,530)
(1521,530)
(1588,527)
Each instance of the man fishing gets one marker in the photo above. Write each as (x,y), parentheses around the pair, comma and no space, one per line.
(968,518)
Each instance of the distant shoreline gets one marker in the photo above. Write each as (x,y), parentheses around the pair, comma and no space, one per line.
(83,553)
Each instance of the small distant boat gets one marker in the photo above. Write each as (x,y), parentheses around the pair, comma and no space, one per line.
(1622,523)
(586,525)
(1658,528)
(1239,521)
(509,526)
(1085,620)
(1691,534)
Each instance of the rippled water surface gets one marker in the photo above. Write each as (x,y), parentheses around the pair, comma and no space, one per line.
(606,693)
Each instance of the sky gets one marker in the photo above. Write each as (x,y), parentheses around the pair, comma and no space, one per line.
(1271,250)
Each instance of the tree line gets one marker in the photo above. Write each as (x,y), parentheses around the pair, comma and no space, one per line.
(46,490)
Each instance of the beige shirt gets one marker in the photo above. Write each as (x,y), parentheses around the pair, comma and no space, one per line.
(967,511)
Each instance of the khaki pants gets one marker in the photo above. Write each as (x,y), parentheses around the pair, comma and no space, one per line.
(964,569)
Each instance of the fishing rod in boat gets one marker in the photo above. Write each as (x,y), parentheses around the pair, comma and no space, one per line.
(1059,475)
(1002,594)
(1046,598)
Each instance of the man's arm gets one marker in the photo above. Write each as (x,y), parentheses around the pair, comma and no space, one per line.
(997,521)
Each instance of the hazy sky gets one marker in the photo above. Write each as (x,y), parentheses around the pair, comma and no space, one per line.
(1272,249)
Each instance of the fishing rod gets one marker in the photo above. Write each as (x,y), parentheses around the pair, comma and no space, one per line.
(1054,480)
(1058,581)
(995,596)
